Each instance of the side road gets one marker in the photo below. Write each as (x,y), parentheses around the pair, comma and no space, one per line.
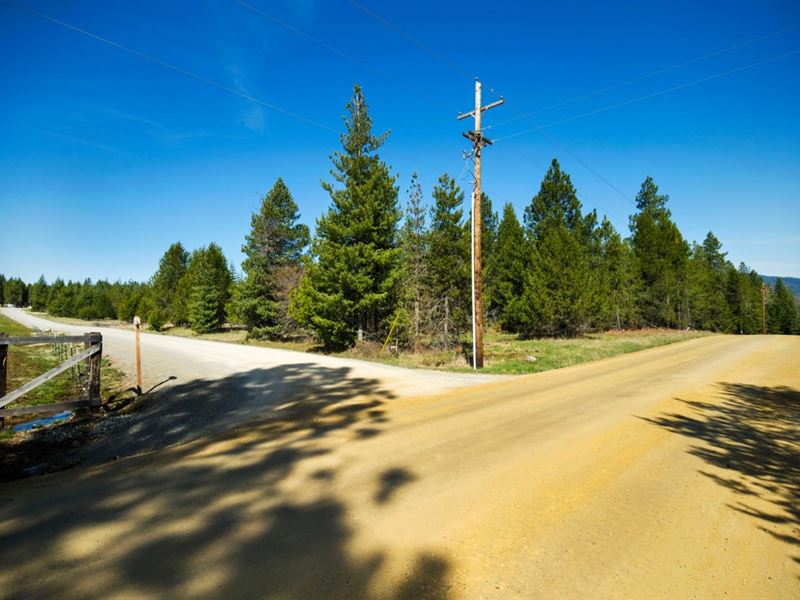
(201,387)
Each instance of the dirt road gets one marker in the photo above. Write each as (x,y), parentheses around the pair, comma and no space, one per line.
(201,387)
(668,473)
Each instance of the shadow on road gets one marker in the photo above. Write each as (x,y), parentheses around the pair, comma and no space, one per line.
(176,414)
(253,512)
(754,434)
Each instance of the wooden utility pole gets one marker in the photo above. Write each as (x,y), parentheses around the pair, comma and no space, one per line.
(763,308)
(137,326)
(478,142)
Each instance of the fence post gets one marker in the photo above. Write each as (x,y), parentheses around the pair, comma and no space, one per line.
(93,388)
(137,325)
(3,365)
(4,421)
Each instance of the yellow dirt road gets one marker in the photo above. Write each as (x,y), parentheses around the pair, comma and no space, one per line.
(669,473)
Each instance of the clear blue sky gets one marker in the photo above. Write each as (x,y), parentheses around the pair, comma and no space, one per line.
(107,158)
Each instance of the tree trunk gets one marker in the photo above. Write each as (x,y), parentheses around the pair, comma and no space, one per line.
(446,316)
(416,324)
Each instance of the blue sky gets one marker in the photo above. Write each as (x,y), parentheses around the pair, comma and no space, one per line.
(107,157)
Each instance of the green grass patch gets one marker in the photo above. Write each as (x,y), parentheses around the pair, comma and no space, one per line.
(27,362)
(506,354)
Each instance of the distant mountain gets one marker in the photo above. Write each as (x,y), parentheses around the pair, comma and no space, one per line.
(793,283)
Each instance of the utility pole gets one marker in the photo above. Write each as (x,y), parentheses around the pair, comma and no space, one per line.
(763,308)
(478,142)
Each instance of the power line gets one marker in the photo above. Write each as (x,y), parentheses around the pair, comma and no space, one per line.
(651,95)
(386,23)
(648,75)
(459,70)
(411,90)
(172,67)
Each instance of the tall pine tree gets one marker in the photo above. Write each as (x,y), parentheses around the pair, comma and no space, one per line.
(164,285)
(273,250)
(351,285)
(414,243)
(448,262)
(507,267)
(661,256)
(561,289)
(209,279)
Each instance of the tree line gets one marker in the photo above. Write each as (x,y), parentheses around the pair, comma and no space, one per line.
(373,268)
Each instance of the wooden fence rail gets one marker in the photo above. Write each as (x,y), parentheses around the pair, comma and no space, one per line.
(92,354)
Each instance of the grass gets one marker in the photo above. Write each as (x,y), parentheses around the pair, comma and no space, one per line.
(506,354)
(27,362)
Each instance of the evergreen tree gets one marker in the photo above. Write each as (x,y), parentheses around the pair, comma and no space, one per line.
(555,204)
(39,294)
(414,243)
(448,264)
(171,269)
(782,310)
(507,267)
(211,280)
(489,231)
(2,290)
(352,283)
(62,299)
(662,257)
(561,289)
(273,248)
(16,292)
(618,284)
(709,293)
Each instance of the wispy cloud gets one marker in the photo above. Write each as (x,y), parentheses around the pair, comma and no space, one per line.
(81,141)
(252,118)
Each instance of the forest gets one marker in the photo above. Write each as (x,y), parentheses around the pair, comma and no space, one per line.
(376,264)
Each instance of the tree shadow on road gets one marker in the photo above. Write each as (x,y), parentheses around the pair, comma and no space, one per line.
(179,413)
(754,435)
(255,511)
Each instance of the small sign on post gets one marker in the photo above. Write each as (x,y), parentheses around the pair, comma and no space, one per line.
(137,326)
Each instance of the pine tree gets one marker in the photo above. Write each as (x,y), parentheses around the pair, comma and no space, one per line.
(661,256)
(414,243)
(507,267)
(561,293)
(39,294)
(351,285)
(708,286)
(273,248)
(165,282)
(782,310)
(489,231)
(617,279)
(448,264)
(2,290)
(210,279)
(556,203)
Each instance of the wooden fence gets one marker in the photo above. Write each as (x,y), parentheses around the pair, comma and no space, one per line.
(92,353)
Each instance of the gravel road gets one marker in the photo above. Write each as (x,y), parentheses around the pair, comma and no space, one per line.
(203,387)
(668,473)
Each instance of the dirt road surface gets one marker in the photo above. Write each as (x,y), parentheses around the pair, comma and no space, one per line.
(668,473)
